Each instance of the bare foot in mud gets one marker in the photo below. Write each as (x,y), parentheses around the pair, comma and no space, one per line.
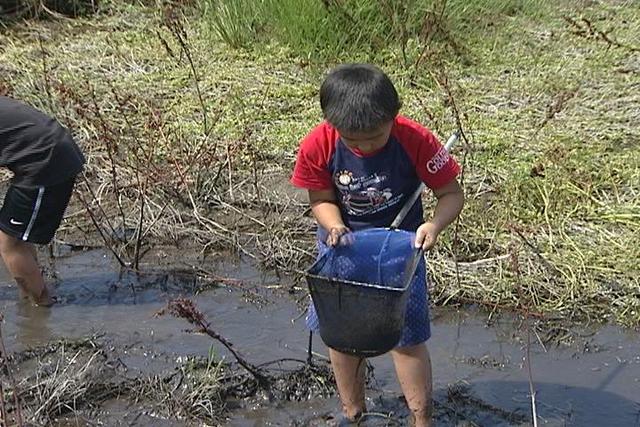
(41,296)
(22,294)
(345,421)
(45,299)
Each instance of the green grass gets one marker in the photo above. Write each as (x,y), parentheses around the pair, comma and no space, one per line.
(569,183)
(357,30)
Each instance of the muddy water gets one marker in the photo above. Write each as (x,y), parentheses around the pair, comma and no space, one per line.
(479,376)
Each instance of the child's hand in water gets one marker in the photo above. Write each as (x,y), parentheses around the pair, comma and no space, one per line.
(426,236)
(338,235)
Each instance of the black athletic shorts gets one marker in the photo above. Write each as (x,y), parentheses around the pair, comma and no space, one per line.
(33,214)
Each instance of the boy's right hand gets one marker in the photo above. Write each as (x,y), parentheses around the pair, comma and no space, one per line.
(336,233)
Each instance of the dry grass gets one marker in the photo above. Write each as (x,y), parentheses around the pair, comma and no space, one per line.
(554,166)
(195,392)
(67,379)
(14,10)
(62,378)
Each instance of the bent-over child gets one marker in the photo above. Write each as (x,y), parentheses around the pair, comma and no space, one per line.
(45,161)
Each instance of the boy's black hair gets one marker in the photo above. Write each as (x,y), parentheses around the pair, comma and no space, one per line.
(358,98)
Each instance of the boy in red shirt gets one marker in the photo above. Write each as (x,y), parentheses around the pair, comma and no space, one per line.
(360,166)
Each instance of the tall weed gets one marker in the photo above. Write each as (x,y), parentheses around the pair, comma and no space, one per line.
(235,22)
(347,29)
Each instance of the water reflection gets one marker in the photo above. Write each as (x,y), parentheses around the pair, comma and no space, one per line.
(32,324)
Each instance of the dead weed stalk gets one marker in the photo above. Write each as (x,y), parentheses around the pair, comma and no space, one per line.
(524,303)
(8,371)
(583,27)
(185,309)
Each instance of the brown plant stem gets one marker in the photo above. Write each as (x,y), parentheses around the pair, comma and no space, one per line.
(186,309)
(12,380)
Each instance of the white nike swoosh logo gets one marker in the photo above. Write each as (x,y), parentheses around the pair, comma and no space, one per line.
(14,222)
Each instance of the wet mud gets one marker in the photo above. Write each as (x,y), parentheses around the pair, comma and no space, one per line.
(104,349)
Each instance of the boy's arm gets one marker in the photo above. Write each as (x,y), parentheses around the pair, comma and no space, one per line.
(326,212)
(450,201)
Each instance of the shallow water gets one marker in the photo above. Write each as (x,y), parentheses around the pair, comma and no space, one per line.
(595,381)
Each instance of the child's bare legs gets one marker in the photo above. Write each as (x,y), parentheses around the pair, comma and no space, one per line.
(349,372)
(413,367)
(20,259)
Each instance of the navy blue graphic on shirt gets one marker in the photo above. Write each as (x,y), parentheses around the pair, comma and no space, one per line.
(371,190)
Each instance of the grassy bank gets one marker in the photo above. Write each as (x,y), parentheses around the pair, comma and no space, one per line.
(190,118)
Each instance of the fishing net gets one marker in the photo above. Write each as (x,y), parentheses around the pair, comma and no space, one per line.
(360,290)
(374,256)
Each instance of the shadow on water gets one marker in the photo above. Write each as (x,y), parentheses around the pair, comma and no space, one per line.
(479,376)
(562,405)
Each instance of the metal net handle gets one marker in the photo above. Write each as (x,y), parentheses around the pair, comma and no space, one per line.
(384,246)
(405,209)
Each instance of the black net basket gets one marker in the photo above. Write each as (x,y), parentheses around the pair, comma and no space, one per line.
(360,290)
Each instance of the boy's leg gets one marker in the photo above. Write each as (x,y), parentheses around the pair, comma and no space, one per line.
(19,257)
(349,372)
(413,367)
(31,215)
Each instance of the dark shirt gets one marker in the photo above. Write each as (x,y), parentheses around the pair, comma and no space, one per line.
(35,147)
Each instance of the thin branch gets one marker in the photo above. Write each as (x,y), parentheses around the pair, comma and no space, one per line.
(12,380)
(99,228)
(515,265)
(184,308)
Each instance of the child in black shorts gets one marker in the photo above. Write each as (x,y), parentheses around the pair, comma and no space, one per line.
(45,161)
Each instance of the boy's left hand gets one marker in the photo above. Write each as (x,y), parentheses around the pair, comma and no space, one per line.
(426,236)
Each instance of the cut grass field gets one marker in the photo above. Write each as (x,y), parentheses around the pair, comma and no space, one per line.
(548,96)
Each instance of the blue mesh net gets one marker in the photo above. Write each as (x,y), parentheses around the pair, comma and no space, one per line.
(373,256)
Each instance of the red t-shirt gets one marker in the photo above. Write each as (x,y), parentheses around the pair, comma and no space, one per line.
(433,164)
(372,188)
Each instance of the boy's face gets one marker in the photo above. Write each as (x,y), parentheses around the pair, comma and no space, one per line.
(369,141)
